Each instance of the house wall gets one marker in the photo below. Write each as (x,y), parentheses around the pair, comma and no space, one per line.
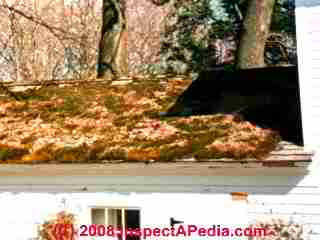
(24,212)
(195,200)
(301,203)
(308,39)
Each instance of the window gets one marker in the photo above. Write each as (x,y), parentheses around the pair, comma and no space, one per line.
(119,218)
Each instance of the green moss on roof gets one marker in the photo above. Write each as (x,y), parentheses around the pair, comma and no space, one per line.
(104,121)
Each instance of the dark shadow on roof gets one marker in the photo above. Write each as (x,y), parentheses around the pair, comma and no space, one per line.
(268,97)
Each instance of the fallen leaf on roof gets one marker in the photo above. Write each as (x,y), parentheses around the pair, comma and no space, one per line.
(101,121)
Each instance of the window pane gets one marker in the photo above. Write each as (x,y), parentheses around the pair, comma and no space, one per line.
(98,216)
(114,219)
(132,218)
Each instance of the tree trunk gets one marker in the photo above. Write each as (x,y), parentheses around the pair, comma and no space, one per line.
(122,57)
(112,58)
(255,33)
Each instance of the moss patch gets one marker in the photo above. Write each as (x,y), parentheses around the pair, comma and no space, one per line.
(8,153)
(105,122)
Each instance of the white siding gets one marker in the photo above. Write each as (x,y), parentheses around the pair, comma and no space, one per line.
(25,211)
(301,204)
(308,46)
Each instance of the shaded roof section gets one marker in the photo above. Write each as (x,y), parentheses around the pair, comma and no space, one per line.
(118,121)
(268,97)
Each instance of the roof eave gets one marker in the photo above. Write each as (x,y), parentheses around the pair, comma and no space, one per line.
(262,168)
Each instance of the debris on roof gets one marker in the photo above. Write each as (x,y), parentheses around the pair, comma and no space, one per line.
(98,122)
